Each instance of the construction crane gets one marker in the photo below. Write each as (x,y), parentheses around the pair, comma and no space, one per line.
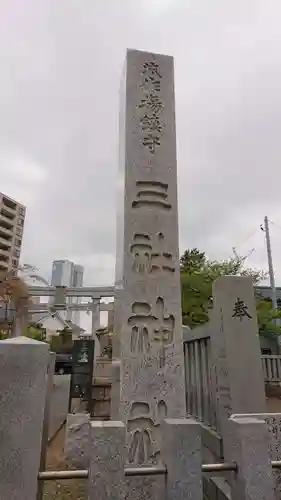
(242,258)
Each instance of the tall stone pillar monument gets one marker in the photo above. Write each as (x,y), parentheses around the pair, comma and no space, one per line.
(148,333)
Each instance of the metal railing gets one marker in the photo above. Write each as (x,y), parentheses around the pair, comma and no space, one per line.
(200,381)
(271,368)
(142,471)
(129,471)
(198,378)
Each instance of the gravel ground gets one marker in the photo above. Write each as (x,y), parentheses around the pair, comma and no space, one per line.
(72,489)
(273,405)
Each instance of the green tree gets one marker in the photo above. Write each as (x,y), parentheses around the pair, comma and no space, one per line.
(15,300)
(63,342)
(35,331)
(197,276)
(192,261)
(267,317)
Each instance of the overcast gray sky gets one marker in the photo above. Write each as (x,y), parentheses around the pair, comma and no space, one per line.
(60,68)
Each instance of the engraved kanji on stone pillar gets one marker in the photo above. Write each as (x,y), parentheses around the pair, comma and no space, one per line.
(148,300)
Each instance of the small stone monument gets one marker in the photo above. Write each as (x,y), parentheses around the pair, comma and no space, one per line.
(23,385)
(236,353)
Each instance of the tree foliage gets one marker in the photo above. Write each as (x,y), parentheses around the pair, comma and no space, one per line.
(63,342)
(197,276)
(35,331)
(14,299)
(268,318)
(192,261)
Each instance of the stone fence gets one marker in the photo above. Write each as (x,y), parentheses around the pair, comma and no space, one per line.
(233,446)
(200,389)
(200,378)
(23,386)
(272,369)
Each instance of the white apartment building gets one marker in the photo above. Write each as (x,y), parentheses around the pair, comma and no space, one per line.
(12,217)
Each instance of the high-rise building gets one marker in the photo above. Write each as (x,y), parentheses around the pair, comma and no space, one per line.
(12,217)
(62,273)
(78,272)
(66,273)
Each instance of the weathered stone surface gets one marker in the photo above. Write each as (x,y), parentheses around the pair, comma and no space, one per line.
(47,432)
(148,314)
(236,351)
(181,451)
(47,419)
(254,479)
(23,382)
(101,400)
(147,318)
(103,368)
(115,389)
(59,403)
(77,439)
(273,422)
(107,455)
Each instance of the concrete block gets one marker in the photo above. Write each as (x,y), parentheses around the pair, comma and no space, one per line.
(77,440)
(250,450)
(107,460)
(23,385)
(273,423)
(115,390)
(182,447)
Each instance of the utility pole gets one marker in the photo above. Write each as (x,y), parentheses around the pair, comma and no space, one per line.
(270,264)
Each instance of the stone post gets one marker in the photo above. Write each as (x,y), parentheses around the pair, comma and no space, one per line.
(77,440)
(107,455)
(23,383)
(147,267)
(236,355)
(115,389)
(148,297)
(250,450)
(273,423)
(95,326)
(182,448)
(59,301)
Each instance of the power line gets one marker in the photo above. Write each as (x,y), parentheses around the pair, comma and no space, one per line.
(252,233)
(274,224)
(247,237)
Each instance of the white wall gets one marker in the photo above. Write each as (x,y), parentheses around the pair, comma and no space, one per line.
(51,325)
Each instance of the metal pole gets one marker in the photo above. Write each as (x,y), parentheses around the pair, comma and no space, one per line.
(145,471)
(270,264)
(276,464)
(220,467)
(62,474)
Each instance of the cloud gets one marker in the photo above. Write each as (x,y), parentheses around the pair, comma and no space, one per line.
(60,70)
